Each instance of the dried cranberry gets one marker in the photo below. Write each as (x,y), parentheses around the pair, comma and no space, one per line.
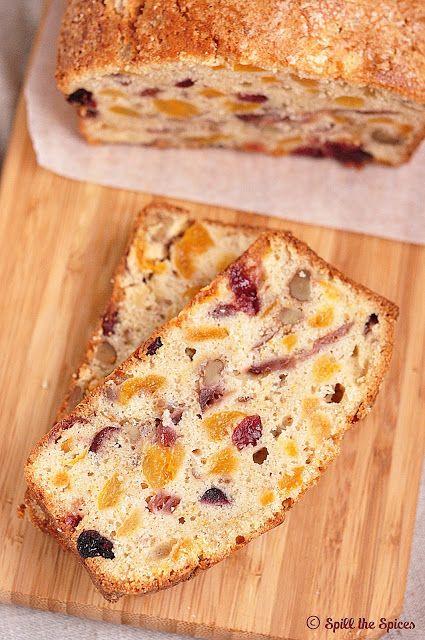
(252,118)
(72,520)
(165,436)
(91,544)
(162,502)
(176,414)
(82,97)
(149,93)
(215,496)
(344,152)
(154,346)
(90,113)
(101,436)
(252,97)
(370,322)
(208,396)
(66,423)
(243,282)
(185,83)
(109,320)
(248,431)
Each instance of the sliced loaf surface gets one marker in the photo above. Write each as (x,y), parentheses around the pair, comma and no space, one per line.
(203,438)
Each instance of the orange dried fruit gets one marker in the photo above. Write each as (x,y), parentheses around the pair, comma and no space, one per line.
(66,445)
(61,479)
(224,462)
(350,102)
(197,334)
(195,241)
(111,493)
(310,405)
(323,318)
(133,386)
(161,464)
(239,107)
(146,264)
(176,108)
(288,482)
(320,426)
(181,549)
(325,368)
(330,290)
(130,524)
(125,111)
(209,92)
(290,341)
(305,82)
(219,425)
(267,497)
(289,447)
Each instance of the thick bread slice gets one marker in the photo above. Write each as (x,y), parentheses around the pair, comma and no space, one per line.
(153,282)
(338,79)
(204,437)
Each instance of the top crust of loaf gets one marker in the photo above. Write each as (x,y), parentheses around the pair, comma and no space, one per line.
(361,42)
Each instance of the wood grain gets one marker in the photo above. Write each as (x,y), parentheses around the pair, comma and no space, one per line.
(344,549)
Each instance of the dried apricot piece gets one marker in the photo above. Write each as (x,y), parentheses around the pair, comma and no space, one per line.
(324,368)
(146,264)
(330,290)
(219,425)
(209,92)
(291,481)
(111,493)
(288,446)
(267,497)
(181,549)
(290,341)
(61,479)
(350,102)
(161,464)
(130,524)
(246,67)
(125,111)
(198,334)
(320,426)
(322,318)
(224,462)
(195,241)
(133,386)
(176,108)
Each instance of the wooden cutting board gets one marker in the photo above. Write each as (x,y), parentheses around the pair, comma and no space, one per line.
(343,551)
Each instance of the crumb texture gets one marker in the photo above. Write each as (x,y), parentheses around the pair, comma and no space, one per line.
(338,79)
(219,422)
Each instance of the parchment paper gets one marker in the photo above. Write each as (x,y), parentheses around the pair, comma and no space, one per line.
(381,201)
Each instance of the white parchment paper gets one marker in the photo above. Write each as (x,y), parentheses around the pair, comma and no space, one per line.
(376,200)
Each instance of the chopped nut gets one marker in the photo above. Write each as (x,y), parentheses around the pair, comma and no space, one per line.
(300,287)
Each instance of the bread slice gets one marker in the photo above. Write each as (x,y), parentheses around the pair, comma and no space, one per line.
(326,79)
(216,425)
(152,284)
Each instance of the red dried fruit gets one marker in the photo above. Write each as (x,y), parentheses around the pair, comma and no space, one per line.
(109,320)
(243,283)
(102,436)
(165,436)
(261,118)
(175,414)
(72,520)
(185,83)
(154,346)
(289,362)
(162,502)
(248,431)
(208,396)
(149,93)
(90,113)
(66,423)
(344,152)
(82,97)
(91,544)
(370,322)
(215,496)
(252,97)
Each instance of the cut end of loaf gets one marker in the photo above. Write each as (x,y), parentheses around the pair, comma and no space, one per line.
(218,423)
(249,108)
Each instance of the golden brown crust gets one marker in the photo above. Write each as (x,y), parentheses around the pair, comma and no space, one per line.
(114,589)
(380,44)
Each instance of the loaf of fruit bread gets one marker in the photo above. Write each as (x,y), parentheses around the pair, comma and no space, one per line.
(215,426)
(169,257)
(337,78)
